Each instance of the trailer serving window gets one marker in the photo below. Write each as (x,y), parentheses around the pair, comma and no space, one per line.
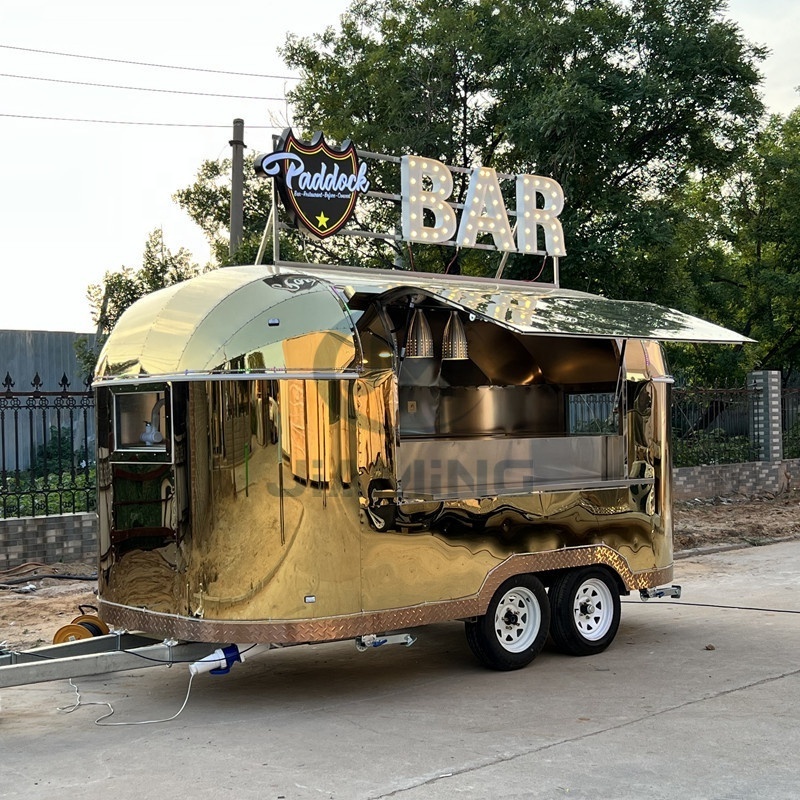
(514,413)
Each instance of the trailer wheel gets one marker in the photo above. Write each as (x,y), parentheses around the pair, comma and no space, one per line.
(514,628)
(585,611)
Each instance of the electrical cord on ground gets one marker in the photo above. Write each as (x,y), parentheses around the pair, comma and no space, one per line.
(99,721)
(717,605)
(35,571)
(7,583)
(28,566)
(204,665)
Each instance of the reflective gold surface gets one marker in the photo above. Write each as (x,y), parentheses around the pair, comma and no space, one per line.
(282,535)
(239,318)
(533,308)
(234,319)
(332,628)
(312,507)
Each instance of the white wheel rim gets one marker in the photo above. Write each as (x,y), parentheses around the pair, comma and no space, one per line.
(517,619)
(593,609)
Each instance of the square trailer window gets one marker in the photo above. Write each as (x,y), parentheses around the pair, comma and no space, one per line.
(141,422)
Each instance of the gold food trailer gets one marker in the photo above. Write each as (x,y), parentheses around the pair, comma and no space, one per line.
(298,453)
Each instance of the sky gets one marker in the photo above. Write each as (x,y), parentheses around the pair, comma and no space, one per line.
(80,198)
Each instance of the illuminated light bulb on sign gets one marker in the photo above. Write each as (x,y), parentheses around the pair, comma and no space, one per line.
(441,186)
(489,217)
(545,219)
(539,201)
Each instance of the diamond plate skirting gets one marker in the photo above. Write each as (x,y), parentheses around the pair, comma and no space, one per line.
(335,628)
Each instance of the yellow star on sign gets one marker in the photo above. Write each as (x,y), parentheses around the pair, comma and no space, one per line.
(322,220)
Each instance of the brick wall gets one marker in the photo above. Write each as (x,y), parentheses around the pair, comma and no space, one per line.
(757,477)
(67,538)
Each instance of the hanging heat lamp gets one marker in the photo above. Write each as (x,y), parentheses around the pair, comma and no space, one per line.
(454,343)
(420,341)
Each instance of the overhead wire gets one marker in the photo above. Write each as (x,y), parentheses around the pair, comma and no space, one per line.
(140,88)
(131,122)
(149,64)
(86,120)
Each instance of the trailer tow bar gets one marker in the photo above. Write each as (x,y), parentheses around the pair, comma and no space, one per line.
(661,591)
(371,640)
(97,655)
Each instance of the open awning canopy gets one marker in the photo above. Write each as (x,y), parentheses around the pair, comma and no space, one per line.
(530,308)
(295,319)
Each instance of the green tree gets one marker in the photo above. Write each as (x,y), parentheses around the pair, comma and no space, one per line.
(619,102)
(740,241)
(118,290)
(208,202)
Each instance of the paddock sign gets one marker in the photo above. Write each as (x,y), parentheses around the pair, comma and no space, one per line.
(320,185)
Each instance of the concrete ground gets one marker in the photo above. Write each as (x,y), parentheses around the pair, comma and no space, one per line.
(691,701)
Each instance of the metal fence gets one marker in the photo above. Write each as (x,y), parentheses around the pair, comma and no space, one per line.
(592,413)
(713,426)
(790,422)
(710,425)
(46,449)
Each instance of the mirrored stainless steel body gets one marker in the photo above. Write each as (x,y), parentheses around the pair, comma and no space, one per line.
(314,484)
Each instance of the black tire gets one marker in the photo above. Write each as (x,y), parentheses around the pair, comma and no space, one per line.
(585,611)
(514,628)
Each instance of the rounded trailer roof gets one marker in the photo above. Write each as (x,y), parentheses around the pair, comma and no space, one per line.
(232,320)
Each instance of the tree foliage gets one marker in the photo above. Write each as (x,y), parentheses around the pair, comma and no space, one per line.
(740,238)
(763,214)
(208,202)
(619,102)
(118,290)
(646,111)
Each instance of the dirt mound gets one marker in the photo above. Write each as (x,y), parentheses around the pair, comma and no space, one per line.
(33,607)
(737,520)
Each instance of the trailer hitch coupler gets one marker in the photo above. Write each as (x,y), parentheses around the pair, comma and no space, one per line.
(661,591)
